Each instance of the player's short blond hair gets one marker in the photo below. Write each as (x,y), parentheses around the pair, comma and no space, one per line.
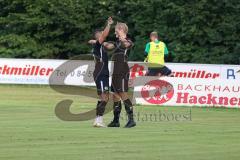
(122,26)
(154,33)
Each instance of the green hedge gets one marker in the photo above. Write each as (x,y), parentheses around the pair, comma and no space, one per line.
(198,31)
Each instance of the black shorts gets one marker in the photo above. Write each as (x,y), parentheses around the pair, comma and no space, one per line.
(102,84)
(164,71)
(120,83)
(120,78)
(101,78)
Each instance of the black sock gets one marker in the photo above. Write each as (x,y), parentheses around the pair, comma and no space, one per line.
(129,108)
(100,108)
(117,107)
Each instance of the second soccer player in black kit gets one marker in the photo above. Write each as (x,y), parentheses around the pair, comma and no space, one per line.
(120,76)
(101,72)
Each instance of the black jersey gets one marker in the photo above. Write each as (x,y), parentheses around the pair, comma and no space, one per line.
(101,59)
(120,76)
(121,52)
(99,52)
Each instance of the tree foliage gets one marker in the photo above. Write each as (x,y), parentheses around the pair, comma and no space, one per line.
(197,31)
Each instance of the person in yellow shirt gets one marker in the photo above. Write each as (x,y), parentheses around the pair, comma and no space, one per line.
(155,52)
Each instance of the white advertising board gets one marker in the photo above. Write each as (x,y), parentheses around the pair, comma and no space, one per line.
(187,92)
(38,71)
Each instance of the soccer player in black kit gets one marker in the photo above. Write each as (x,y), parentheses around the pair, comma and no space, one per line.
(120,76)
(101,72)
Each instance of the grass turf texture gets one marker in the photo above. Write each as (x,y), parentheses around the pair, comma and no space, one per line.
(29,130)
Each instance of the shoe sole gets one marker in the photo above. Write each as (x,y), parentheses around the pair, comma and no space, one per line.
(116,126)
(113,126)
(99,126)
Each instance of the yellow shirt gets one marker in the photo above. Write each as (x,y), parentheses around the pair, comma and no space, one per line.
(156,54)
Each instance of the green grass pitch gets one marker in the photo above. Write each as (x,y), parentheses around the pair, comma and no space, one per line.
(29,130)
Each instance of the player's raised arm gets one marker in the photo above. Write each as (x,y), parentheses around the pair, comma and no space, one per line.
(106,30)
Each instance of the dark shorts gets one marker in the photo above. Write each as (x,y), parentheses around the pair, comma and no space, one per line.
(120,78)
(102,84)
(101,78)
(120,83)
(164,71)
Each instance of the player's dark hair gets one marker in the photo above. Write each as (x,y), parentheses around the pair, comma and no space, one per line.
(96,31)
